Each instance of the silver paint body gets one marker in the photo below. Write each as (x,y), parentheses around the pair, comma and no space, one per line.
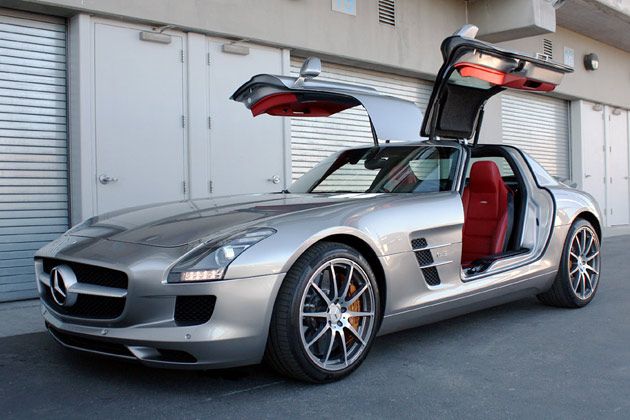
(145,242)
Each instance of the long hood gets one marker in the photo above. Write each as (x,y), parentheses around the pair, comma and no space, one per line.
(186,222)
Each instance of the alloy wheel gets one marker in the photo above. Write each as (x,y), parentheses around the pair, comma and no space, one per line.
(337,314)
(584,262)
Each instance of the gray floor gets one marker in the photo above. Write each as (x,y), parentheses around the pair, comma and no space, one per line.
(521,360)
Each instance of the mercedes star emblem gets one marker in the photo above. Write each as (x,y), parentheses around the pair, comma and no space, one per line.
(62,279)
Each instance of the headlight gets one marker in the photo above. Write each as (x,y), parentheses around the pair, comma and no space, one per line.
(209,261)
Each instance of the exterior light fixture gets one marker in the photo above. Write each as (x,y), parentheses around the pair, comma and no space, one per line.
(591,61)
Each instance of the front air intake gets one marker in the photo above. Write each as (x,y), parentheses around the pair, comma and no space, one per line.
(194,310)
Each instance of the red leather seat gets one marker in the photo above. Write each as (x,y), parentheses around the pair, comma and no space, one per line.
(486,213)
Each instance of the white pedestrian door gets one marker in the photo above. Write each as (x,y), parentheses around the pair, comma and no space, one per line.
(617,166)
(247,153)
(593,149)
(139,107)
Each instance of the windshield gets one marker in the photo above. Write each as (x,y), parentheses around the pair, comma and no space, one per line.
(387,169)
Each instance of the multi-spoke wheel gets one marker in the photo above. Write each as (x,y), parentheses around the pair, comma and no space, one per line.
(326,315)
(579,272)
(584,262)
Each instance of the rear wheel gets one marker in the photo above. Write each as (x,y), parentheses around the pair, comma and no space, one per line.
(578,276)
(326,315)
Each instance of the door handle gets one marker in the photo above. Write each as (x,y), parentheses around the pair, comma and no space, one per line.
(106,179)
(275,179)
(587,176)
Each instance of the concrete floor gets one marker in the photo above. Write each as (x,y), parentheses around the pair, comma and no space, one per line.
(521,360)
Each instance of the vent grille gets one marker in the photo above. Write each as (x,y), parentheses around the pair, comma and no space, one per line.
(431,276)
(194,310)
(90,274)
(425,258)
(548,48)
(419,243)
(387,12)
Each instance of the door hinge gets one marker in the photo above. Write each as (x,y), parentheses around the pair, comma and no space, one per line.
(181,55)
(208,60)
(611,211)
(183,121)
(184,186)
(210,187)
(209,122)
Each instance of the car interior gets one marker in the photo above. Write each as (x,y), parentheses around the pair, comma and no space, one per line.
(494,200)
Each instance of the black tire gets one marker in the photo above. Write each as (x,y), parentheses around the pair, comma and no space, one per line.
(562,293)
(285,350)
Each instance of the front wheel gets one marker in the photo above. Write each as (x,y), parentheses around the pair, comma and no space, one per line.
(578,276)
(326,315)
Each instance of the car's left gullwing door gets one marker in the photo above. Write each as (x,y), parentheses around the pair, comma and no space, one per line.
(472,72)
(392,119)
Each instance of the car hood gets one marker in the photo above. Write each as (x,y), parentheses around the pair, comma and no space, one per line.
(182,223)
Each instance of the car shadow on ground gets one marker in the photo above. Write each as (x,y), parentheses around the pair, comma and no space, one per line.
(129,373)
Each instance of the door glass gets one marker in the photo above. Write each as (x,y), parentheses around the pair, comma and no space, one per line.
(504,166)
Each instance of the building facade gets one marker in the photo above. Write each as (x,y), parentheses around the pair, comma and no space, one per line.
(112,104)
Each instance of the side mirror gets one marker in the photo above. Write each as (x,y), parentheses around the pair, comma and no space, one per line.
(312,67)
(467,31)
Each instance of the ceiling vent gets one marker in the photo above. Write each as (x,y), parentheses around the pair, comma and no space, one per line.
(387,12)
(548,48)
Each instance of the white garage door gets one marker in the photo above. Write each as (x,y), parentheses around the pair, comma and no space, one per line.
(312,139)
(33,145)
(538,125)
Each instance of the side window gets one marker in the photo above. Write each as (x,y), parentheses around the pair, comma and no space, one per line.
(431,169)
(504,167)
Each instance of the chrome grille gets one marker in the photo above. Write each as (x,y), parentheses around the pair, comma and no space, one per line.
(100,291)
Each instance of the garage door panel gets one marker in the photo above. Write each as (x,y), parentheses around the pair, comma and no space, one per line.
(33,71)
(54,66)
(30,78)
(14,255)
(539,125)
(22,286)
(32,55)
(31,214)
(6,34)
(34,147)
(9,90)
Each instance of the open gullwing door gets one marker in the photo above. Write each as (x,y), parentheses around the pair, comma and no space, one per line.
(392,119)
(472,72)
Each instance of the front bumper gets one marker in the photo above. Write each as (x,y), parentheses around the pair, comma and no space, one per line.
(235,335)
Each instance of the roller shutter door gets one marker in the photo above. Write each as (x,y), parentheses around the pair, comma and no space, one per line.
(538,125)
(33,145)
(312,139)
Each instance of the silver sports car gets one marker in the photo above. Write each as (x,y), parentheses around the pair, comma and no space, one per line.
(423,225)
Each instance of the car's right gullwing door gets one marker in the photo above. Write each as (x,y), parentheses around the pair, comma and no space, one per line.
(472,72)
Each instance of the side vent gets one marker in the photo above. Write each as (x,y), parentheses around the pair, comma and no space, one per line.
(387,12)
(426,261)
(548,48)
